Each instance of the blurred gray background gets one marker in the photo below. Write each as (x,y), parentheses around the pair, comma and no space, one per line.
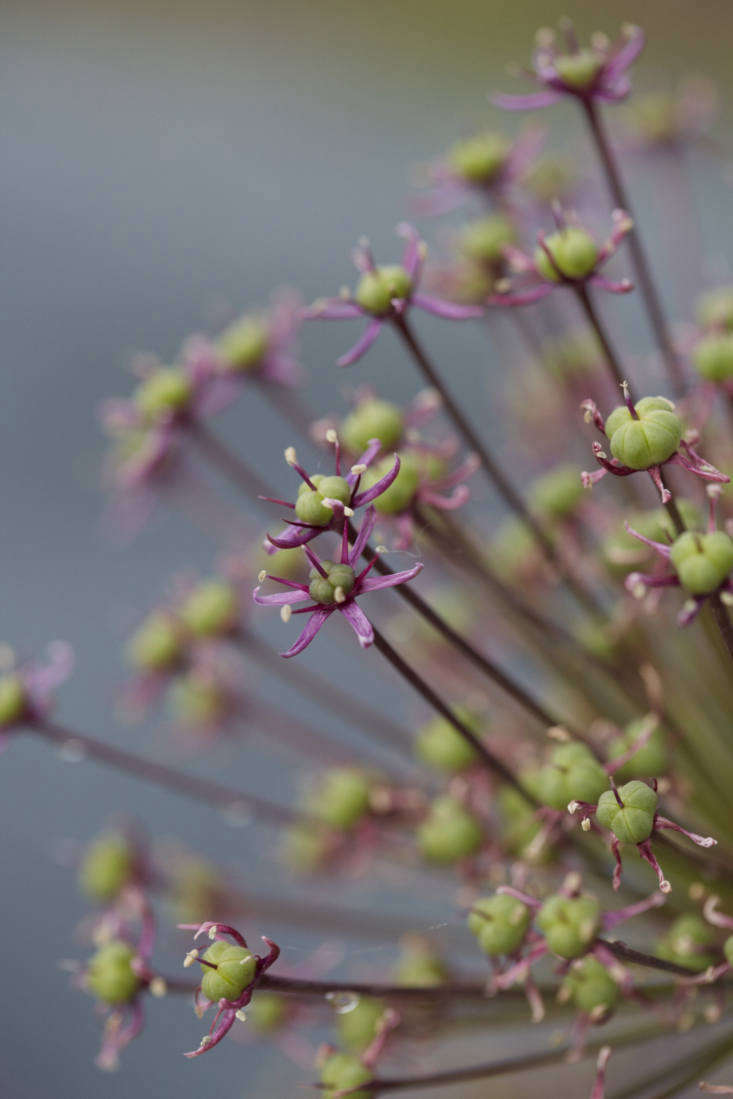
(164,165)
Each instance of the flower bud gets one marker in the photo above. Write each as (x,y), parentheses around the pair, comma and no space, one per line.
(556,494)
(715,309)
(110,976)
(309,505)
(305,847)
(401,493)
(649,440)
(107,867)
(267,1012)
(479,159)
(499,923)
(579,70)
(341,799)
(702,561)
(574,252)
(573,774)
(484,240)
(156,644)
(713,357)
(449,833)
(441,746)
(13,700)
(210,609)
(420,967)
(633,821)
(198,698)
(164,392)
(358,1027)
(569,924)
(591,987)
(235,970)
(649,761)
(242,346)
(372,419)
(342,1072)
(377,289)
(689,942)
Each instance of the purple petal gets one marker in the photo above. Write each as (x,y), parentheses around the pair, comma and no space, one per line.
(280,598)
(522,297)
(378,487)
(623,286)
(624,57)
(529,102)
(359,623)
(362,345)
(281,368)
(376,583)
(447,309)
(457,498)
(613,93)
(411,257)
(291,538)
(367,526)
(313,625)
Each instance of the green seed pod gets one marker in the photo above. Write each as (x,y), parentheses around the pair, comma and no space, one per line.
(309,505)
(197,699)
(110,976)
(649,440)
(242,346)
(580,69)
(441,746)
(419,967)
(549,178)
(513,550)
(373,419)
(654,118)
(305,847)
(107,867)
(341,799)
(343,1072)
(713,357)
(715,309)
(556,494)
(728,950)
(13,700)
(634,821)
(688,942)
(650,761)
(571,356)
(591,987)
(570,924)
(499,923)
(323,589)
(165,391)
(702,561)
(156,644)
(401,493)
(573,774)
(484,240)
(235,970)
(358,1027)
(519,825)
(574,252)
(210,609)
(449,833)
(479,159)
(377,289)
(267,1012)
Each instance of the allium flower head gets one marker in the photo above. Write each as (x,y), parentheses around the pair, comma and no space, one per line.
(385,293)
(570,256)
(561,66)
(334,586)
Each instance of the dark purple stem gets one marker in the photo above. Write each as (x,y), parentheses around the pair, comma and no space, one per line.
(609,353)
(722,620)
(641,264)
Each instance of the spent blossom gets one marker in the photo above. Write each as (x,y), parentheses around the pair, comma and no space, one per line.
(385,293)
(569,256)
(334,586)
(562,67)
